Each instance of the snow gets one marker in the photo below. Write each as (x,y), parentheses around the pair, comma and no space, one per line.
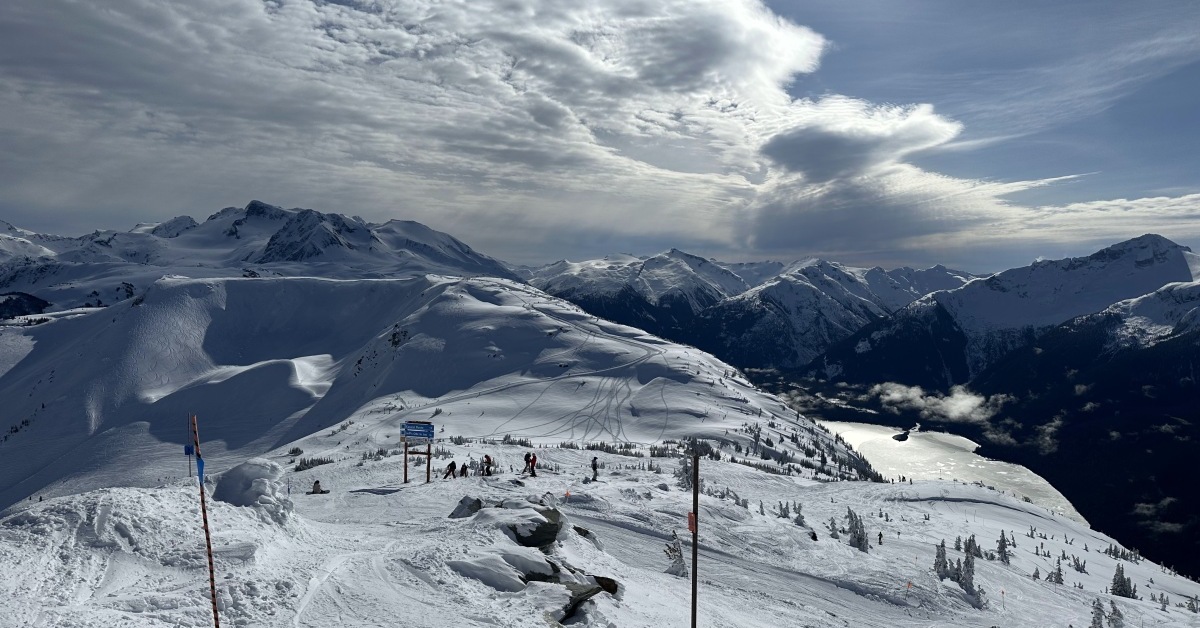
(252,484)
(378,552)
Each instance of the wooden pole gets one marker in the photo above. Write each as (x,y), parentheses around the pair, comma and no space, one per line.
(428,460)
(212,578)
(406,460)
(695,530)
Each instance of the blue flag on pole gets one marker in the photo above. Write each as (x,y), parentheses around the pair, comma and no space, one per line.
(200,469)
(189,450)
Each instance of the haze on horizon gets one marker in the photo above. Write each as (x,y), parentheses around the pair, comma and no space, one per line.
(926,132)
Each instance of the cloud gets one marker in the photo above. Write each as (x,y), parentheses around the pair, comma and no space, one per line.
(961,405)
(532,129)
(841,138)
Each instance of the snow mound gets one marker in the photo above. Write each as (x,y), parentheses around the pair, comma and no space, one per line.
(253,483)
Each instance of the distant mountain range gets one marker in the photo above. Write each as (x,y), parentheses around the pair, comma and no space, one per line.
(741,311)
(106,267)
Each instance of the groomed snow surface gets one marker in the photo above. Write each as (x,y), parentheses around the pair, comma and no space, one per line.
(377,552)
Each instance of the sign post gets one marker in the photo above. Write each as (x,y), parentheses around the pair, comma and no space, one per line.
(414,432)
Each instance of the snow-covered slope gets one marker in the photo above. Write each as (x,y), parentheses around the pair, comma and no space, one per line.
(980,322)
(375,551)
(266,361)
(259,239)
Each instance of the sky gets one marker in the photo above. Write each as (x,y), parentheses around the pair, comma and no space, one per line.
(978,135)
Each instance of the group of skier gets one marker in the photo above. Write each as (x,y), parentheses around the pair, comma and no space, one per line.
(454,470)
(485,468)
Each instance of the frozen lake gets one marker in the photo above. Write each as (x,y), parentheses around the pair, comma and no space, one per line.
(942,456)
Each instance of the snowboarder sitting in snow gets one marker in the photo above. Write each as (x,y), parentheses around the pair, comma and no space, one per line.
(451,470)
(533,465)
(595,468)
(317,490)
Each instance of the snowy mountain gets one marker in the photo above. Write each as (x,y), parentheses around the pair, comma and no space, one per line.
(268,361)
(965,330)
(260,239)
(793,317)
(750,314)
(661,294)
(1117,385)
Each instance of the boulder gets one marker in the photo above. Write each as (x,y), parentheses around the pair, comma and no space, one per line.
(466,507)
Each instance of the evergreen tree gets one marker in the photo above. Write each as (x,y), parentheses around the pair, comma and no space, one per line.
(1097,614)
(1116,619)
(941,566)
(967,580)
(1036,575)
(1002,548)
(858,533)
(833,528)
(1055,577)
(958,543)
(1121,586)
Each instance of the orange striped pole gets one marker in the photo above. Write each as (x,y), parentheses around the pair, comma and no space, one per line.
(212,578)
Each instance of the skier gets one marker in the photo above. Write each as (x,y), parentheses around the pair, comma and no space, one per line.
(487,464)
(533,465)
(881,538)
(526,467)
(464,471)
(451,470)
(595,469)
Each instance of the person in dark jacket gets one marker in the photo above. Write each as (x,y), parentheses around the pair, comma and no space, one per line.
(451,470)
(595,468)
(464,471)
(526,467)
(533,465)
(487,464)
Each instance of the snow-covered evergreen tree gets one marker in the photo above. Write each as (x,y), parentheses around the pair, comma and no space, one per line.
(1002,548)
(1036,574)
(674,551)
(858,533)
(1097,614)
(1116,619)
(941,566)
(967,579)
(833,528)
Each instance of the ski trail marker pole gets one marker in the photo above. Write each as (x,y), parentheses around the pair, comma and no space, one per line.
(695,529)
(212,578)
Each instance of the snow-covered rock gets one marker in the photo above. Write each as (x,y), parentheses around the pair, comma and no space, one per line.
(254,483)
